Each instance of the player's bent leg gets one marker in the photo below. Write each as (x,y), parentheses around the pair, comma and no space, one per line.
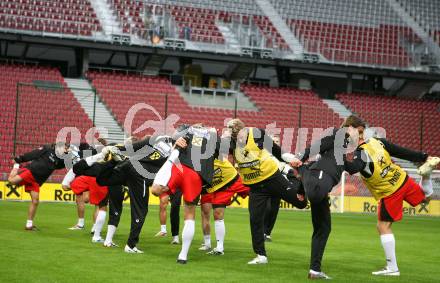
(426,184)
(257,203)
(35,200)
(388,243)
(163,203)
(289,191)
(430,164)
(220,230)
(205,210)
(139,211)
(321,220)
(157,190)
(99,224)
(176,199)
(13,178)
(86,197)
(187,232)
(80,207)
(116,199)
(272,208)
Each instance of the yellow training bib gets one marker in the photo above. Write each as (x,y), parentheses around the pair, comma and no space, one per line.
(387,176)
(224,172)
(254,164)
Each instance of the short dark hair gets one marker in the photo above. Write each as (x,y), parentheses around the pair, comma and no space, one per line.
(353,121)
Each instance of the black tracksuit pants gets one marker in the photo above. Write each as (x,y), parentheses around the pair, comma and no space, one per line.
(116,198)
(317,185)
(272,208)
(139,209)
(275,186)
(176,200)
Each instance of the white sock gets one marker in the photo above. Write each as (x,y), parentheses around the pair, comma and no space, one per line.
(111,229)
(176,238)
(220,232)
(389,246)
(426,184)
(163,228)
(29,223)
(207,239)
(93,228)
(100,220)
(187,237)
(94,158)
(80,222)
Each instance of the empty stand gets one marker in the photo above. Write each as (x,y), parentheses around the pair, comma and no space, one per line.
(201,17)
(360,32)
(288,107)
(410,123)
(131,15)
(426,13)
(73,17)
(41,112)
(201,22)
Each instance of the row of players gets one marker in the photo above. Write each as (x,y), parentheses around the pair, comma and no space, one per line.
(195,162)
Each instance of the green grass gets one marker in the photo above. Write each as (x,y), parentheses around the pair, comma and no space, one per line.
(55,254)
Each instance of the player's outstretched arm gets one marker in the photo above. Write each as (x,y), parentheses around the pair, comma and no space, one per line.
(404,153)
(29,156)
(324,144)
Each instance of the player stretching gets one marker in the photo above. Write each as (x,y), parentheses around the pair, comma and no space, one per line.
(98,196)
(150,153)
(225,184)
(43,161)
(252,148)
(389,184)
(188,168)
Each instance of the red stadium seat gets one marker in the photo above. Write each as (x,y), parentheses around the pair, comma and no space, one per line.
(40,114)
(401,118)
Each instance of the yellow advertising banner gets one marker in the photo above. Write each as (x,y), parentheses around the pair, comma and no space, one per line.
(54,193)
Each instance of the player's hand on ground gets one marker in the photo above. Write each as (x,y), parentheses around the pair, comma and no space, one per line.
(181,142)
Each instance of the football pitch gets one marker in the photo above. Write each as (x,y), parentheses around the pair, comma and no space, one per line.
(56,254)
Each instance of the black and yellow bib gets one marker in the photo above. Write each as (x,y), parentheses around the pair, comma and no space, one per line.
(224,172)
(254,164)
(387,176)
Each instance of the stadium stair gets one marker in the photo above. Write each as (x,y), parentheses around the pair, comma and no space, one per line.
(338,107)
(416,27)
(105,15)
(415,89)
(154,64)
(281,27)
(83,92)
